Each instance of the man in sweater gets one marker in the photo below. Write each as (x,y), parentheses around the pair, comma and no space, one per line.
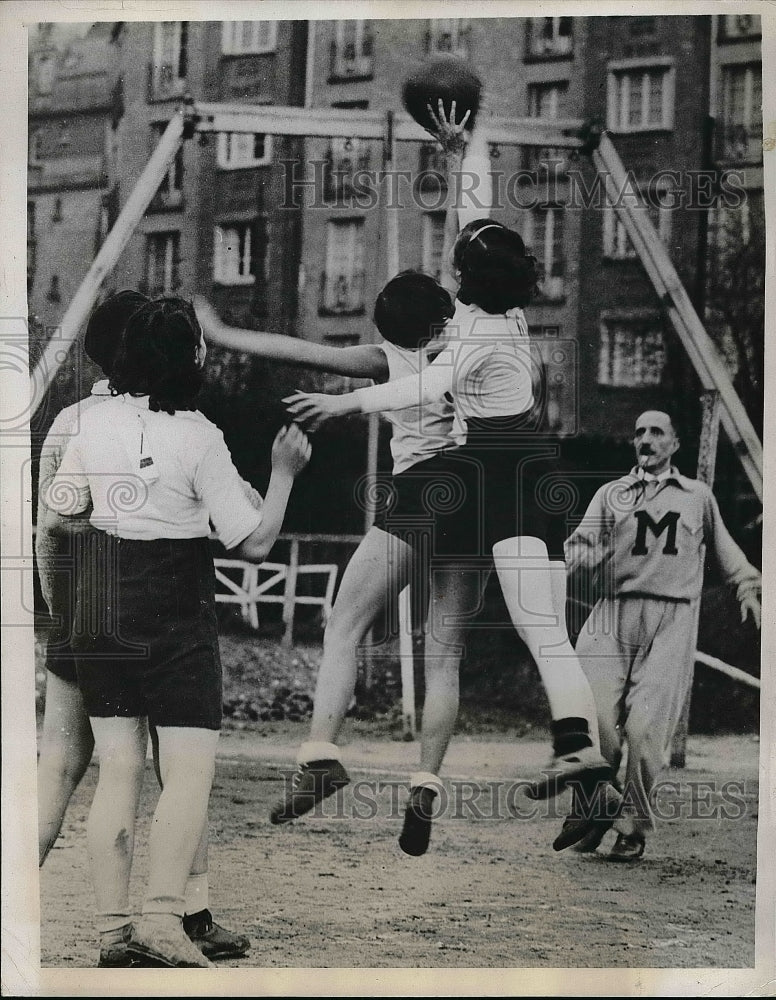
(642,544)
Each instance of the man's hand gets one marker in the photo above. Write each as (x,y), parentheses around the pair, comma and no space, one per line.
(311,409)
(290,451)
(750,605)
(448,132)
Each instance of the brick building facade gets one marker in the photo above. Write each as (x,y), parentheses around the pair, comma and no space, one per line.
(677,93)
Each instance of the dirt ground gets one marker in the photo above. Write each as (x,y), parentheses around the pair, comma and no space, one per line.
(333,891)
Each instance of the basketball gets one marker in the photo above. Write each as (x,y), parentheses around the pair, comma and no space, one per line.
(449,78)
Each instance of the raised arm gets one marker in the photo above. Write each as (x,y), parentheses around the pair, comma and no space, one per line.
(364,361)
(312,408)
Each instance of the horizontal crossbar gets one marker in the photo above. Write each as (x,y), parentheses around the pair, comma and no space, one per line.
(356,124)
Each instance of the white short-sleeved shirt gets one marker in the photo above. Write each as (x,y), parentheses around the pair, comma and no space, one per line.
(153,475)
(418,432)
(486,364)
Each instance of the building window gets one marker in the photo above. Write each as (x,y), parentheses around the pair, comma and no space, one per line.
(617,244)
(433,243)
(170,193)
(742,122)
(352,51)
(248,37)
(640,97)
(36,146)
(240,252)
(432,173)
(447,34)
(46,69)
(344,160)
(642,27)
(545,331)
(162,263)
(550,36)
(342,287)
(632,352)
(170,63)
(548,101)
(31,245)
(244,149)
(733,27)
(543,233)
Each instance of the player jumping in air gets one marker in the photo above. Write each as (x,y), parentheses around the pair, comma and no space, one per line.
(487,368)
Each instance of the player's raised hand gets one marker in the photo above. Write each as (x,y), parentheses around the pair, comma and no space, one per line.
(750,605)
(311,409)
(449,133)
(291,451)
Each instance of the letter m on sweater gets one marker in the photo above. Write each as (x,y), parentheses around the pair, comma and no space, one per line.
(666,523)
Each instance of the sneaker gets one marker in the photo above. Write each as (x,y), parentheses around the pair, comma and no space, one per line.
(310,784)
(213,940)
(589,819)
(627,847)
(586,767)
(416,833)
(114,953)
(159,940)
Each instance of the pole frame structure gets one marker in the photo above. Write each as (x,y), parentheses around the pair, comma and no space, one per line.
(323,122)
(83,301)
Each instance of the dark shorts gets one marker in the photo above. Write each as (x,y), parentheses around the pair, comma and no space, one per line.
(504,482)
(64,557)
(145,636)
(408,503)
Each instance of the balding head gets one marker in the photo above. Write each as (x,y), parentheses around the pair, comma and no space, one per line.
(655,441)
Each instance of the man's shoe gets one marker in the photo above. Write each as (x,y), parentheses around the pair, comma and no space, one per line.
(627,847)
(114,953)
(416,833)
(590,817)
(310,784)
(159,940)
(584,767)
(213,940)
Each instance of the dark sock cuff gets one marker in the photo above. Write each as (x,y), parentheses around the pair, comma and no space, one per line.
(569,735)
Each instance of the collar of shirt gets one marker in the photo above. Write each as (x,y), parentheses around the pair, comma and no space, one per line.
(639,475)
(140,401)
(101,388)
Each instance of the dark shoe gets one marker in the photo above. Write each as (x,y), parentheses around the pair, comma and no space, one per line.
(114,953)
(585,767)
(159,940)
(416,833)
(310,784)
(213,940)
(627,847)
(590,817)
